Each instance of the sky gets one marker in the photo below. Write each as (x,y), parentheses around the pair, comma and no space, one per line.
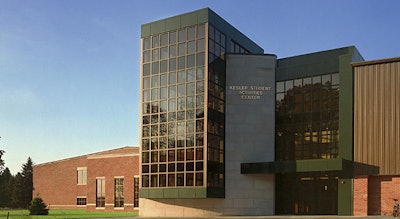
(69,69)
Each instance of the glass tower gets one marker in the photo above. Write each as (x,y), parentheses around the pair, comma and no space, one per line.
(183,104)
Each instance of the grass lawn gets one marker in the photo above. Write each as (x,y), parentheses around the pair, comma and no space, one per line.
(63,214)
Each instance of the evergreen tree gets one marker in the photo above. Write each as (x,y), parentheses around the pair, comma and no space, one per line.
(16,192)
(22,188)
(38,207)
(27,180)
(1,160)
(6,180)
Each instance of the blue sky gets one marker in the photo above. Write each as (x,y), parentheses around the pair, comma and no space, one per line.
(69,69)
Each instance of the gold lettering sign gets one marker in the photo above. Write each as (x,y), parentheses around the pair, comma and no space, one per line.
(247,92)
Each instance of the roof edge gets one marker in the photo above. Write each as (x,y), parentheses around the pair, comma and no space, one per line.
(376,61)
(86,155)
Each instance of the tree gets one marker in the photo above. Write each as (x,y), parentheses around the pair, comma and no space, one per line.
(23,186)
(38,207)
(1,161)
(6,180)
(17,191)
(2,152)
(27,176)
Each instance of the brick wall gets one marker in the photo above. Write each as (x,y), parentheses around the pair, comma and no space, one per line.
(126,167)
(389,189)
(374,195)
(360,196)
(56,182)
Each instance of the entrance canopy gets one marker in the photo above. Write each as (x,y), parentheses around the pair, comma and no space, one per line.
(345,168)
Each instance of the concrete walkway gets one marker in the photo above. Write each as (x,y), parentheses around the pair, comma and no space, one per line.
(270,217)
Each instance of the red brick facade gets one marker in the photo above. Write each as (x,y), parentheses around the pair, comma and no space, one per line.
(375,195)
(360,196)
(57,182)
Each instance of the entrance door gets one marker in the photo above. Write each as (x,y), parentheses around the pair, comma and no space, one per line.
(306,195)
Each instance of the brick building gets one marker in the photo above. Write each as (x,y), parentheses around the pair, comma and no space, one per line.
(104,181)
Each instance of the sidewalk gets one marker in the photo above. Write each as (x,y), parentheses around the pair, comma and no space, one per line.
(269,217)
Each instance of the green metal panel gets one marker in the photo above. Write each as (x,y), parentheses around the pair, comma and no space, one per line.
(345,197)
(156,193)
(233,34)
(318,165)
(312,64)
(143,193)
(346,102)
(146,31)
(157,27)
(201,193)
(176,22)
(341,167)
(173,192)
(189,19)
(199,17)
(173,23)
(346,107)
(346,140)
(187,193)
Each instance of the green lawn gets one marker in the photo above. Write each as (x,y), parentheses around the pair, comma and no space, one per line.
(63,214)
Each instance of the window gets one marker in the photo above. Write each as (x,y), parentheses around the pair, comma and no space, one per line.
(119,192)
(173,101)
(81,200)
(136,192)
(100,192)
(81,175)
(307,118)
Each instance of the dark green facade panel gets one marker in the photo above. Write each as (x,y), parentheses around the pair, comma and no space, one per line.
(345,197)
(198,17)
(234,34)
(312,64)
(342,168)
(176,22)
(346,101)
(155,193)
(172,24)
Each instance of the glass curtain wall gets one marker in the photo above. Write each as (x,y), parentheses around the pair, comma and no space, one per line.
(216,113)
(307,127)
(178,142)
(173,126)
(183,108)
(307,118)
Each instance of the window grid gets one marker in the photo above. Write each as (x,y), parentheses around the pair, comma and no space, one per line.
(100,193)
(136,192)
(307,118)
(119,192)
(81,176)
(173,108)
(81,201)
(216,109)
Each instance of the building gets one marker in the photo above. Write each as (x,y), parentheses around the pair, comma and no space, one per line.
(377,134)
(187,132)
(229,130)
(104,181)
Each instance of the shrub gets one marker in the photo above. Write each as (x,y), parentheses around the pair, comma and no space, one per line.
(38,207)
